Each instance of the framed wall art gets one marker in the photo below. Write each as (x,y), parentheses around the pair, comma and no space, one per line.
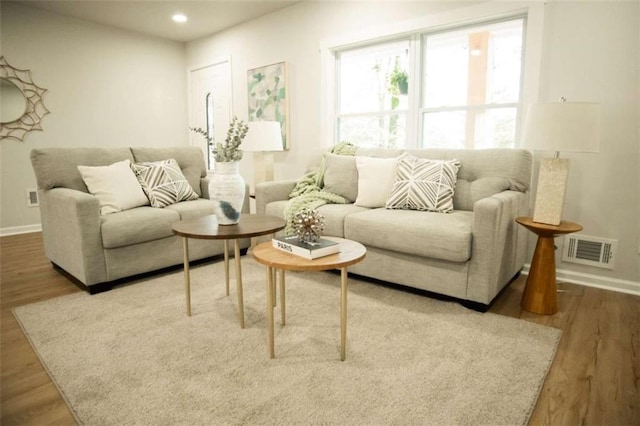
(268,96)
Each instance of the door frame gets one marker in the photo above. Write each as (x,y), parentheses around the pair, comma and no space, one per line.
(190,70)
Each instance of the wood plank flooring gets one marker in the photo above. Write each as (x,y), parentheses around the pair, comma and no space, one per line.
(594,380)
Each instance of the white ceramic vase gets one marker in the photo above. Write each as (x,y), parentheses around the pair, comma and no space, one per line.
(226,188)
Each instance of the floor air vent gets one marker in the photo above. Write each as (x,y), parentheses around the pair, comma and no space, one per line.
(593,251)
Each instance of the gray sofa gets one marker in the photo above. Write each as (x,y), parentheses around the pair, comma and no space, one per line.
(97,251)
(470,254)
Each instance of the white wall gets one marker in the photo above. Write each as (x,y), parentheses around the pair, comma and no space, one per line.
(294,35)
(106,87)
(590,54)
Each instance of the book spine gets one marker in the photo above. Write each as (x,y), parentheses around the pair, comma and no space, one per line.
(289,248)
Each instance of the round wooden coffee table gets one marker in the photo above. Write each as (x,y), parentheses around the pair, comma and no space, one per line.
(206,227)
(351,252)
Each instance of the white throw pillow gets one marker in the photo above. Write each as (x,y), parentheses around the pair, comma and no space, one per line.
(376,177)
(116,186)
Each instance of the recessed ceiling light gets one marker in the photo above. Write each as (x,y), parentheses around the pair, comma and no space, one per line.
(179,17)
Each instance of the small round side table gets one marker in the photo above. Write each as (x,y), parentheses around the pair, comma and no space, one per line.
(540,291)
(207,228)
(351,252)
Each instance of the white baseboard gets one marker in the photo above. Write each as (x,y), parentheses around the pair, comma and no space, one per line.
(15,230)
(589,280)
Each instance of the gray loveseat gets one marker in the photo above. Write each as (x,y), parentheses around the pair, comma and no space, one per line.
(470,254)
(98,250)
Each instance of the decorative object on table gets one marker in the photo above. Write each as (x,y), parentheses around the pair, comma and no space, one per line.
(268,96)
(22,106)
(559,126)
(308,225)
(263,138)
(309,250)
(226,186)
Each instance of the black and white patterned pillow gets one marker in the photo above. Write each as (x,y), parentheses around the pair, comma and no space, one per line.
(423,184)
(163,182)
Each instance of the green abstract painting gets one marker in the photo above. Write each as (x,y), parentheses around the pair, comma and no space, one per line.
(267,91)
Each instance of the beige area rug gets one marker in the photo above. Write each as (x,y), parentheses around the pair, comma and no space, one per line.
(132,356)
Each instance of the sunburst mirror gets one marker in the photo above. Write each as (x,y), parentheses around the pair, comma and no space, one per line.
(21,106)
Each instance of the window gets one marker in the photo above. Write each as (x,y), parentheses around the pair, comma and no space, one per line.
(372,95)
(466,87)
(471,86)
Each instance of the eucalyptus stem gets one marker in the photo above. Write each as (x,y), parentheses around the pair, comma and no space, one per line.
(230,149)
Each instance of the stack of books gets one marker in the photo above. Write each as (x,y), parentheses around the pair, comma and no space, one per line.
(311,250)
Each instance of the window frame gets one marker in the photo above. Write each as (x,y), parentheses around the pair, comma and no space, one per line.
(422,110)
(380,113)
(532,12)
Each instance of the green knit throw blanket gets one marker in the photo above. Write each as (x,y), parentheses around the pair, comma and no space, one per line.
(308,191)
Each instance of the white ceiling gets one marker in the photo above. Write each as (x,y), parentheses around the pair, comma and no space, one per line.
(205,17)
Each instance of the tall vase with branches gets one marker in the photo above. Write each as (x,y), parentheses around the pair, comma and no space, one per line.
(226,185)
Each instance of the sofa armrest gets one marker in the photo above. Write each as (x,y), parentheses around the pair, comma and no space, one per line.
(71,230)
(498,246)
(204,187)
(268,192)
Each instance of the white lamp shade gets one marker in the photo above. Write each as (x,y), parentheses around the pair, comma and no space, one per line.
(263,136)
(563,126)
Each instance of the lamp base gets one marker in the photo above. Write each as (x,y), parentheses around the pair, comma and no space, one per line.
(262,167)
(552,184)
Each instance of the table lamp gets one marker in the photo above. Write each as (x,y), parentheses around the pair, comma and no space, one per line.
(559,126)
(263,138)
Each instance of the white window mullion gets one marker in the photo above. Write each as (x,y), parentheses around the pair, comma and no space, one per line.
(414,122)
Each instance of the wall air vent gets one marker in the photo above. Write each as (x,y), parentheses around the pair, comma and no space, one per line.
(32,198)
(592,251)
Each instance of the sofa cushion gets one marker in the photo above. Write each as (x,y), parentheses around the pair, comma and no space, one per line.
(505,167)
(115,186)
(276,208)
(424,184)
(137,225)
(428,234)
(189,158)
(341,176)
(334,217)
(58,167)
(193,209)
(164,183)
(376,177)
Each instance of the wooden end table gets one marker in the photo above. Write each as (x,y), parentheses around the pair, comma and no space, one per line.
(206,227)
(351,252)
(540,293)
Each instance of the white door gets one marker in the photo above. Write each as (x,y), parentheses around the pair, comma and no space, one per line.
(210,104)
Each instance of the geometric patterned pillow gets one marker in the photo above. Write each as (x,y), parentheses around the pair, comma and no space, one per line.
(163,182)
(423,184)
